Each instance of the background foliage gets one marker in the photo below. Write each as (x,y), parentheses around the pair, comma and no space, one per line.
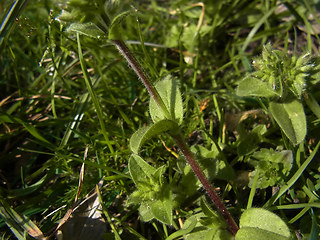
(50,116)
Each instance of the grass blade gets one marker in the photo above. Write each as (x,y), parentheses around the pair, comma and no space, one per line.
(255,29)
(8,19)
(294,178)
(253,190)
(105,211)
(19,224)
(93,95)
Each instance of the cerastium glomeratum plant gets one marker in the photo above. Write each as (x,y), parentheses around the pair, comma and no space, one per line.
(284,88)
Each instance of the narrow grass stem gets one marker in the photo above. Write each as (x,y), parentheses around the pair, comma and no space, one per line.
(206,184)
(124,50)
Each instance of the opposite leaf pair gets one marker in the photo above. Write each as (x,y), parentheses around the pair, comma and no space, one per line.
(153,195)
(172,99)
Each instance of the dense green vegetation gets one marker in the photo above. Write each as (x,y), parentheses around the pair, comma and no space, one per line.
(239,81)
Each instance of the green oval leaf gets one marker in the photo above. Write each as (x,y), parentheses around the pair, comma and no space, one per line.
(206,227)
(139,169)
(183,231)
(171,96)
(260,224)
(145,213)
(291,118)
(88,29)
(257,234)
(162,210)
(145,133)
(251,86)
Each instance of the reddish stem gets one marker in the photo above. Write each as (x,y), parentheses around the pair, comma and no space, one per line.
(123,49)
(178,138)
(206,184)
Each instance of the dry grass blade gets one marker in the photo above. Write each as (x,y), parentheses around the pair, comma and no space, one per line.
(18,224)
(86,221)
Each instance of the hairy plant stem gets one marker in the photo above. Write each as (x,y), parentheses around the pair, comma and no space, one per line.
(205,183)
(123,49)
(178,137)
